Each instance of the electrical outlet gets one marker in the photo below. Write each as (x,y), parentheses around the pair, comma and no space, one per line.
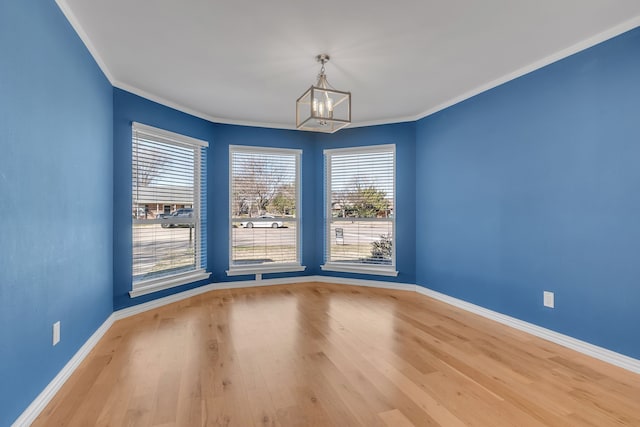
(549,300)
(56,332)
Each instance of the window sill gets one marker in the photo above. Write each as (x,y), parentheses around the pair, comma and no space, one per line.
(258,269)
(369,269)
(154,285)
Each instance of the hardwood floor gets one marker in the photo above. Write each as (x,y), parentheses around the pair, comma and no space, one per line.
(331,355)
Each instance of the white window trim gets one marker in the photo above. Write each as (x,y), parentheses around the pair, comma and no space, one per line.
(353,267)
(360,269)
(168,136)
(257,269)
(144,287)
(241,270)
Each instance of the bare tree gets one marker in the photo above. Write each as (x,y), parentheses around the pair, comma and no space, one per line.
(255,185)
(148,165)
(343,199)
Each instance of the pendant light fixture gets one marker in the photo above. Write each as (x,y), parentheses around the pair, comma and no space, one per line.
(322,108)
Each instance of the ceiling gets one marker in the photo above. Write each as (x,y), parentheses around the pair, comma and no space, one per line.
(246,62)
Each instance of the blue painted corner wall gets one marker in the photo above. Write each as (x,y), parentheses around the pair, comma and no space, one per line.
(533,186)
(130,108)
(56,183)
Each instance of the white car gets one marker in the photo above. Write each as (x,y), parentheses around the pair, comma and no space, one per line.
(264,221)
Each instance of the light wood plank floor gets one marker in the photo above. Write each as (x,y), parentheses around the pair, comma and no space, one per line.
(331,355)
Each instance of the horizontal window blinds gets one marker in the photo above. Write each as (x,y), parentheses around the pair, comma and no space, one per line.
(162,173)
(264,204)
(168,204)
(360,205)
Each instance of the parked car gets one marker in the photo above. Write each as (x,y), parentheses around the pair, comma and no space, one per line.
(264,221)
(179,213)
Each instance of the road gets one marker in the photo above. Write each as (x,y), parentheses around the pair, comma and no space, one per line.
(158,248)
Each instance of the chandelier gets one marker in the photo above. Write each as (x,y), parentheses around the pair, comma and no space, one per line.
(322,108)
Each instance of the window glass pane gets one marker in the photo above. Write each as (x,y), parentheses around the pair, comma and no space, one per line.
(162,174)
(261,242)
(160,251)
(363,242)
(264,206)
(362,185)
(166,205)
(361,203)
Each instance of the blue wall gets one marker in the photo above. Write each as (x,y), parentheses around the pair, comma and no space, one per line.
(129,108)
(56,183)
(404,136)
(534,186)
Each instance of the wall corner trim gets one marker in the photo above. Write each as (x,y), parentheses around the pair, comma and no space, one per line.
(585,44)
(583,347)
(39,403)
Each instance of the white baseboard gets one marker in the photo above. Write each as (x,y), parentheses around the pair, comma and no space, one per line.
(361,282)
(34,409)
(592,350)
(140,308)
(43,399)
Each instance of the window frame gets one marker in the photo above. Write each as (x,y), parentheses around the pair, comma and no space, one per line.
(155,284)
(259,269)
(349,266)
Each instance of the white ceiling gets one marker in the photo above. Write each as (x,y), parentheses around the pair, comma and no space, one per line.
(246,62)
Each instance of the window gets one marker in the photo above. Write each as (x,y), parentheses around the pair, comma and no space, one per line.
(168,209)
(360,210)
(264,210)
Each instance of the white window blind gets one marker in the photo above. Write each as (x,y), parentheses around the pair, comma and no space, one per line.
(168,209)
(264,210)
(360,209)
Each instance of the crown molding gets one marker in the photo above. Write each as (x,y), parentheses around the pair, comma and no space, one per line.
(71,17)
(564,53)
(179,107)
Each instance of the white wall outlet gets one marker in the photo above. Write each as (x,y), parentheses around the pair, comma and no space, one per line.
(56,332)
(549,299)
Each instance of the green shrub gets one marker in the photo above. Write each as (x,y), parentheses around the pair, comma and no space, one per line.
(382,249)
